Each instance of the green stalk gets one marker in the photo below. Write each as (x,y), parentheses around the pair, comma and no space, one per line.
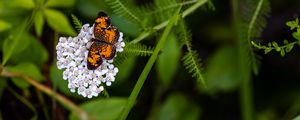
(25,102)
(246,99)
(150,63)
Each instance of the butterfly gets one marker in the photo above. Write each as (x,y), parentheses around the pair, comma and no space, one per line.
(103,44)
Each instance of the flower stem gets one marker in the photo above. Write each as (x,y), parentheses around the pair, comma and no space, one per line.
(150,63)
(246,96)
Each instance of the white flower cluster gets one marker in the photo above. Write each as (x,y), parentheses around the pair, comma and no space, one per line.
(72,57)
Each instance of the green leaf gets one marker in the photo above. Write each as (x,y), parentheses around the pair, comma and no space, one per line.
(277,48)
(296,34)
(59,22)
(289,47)
(27,69)
(293,24)
(192,64)
(275,44)
(4,25)
(37,52)
(127,27)
(221,72)
(267,50)
(123,9)
(26,4)
(177,107)
(102,109)
(168,60)
(60,3)
(282,53)
(77,22)
(125,69)
(269,44)
(14,43)
(285,42)
(56,76)
(297,117)
(39,23)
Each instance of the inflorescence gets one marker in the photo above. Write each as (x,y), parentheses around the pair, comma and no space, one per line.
(72,55)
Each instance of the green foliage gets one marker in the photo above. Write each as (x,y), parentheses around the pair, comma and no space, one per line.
(293,24)
(60,3)
(138,49)
(221,71)
(28,69)
(249,20)
(39,22)
(132,49)
(30,47)
(297,117)
(252,22)
(191,59)
(77,22)
(127,27)
(123,9)
(19,51)
(59,83)
(147,68)
(287,47)
(102,109)
(167,5)
(25,4)
(4,25)
(171,110)
(163,9)
(58,21)
(192,63)
(12,45)
(126,68)
(167,63)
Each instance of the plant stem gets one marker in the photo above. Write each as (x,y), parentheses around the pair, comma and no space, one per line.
(25,102)
(165,23)
(150,63)
(244,69)
(42,102)
(63,100)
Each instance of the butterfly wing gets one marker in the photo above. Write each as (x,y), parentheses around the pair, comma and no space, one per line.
(107,51)
(102,22)
(94,59)
(111,35)
(106,35)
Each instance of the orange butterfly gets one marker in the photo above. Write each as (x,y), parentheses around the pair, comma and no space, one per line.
(103,45)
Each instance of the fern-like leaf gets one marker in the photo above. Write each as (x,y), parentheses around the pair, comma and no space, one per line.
(192,63)
(191,59)
(138,50)
(77,22)
(287,47)
(254,13)
(132,49)
(164,5)
(122,9)
(162,10)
